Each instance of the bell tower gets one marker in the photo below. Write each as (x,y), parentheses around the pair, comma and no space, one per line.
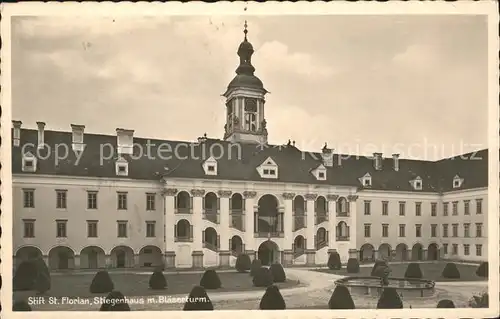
(245,100)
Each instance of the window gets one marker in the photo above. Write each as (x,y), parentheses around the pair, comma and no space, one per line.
(433,230)
(418,230)
(466,249)
(467,230)
(122,200)
(91,200)
(385,208)
(401,230)
(61,198)
(402,206)
(92,228)
(251,115)
(385,230)
(367,207)
(367,181)
(272,172)
(454,230)
(479,250)
(29,228)
(150,229)
(150,202)
(418,209)
(466,207)
(455,208)
(456,183)
(29,163)
(121,167)
(367,230)
(445,209)
(122,229)
(321,175)
(479,229)
(29,198)
(445,230)
(433,209)
(479,206)
(211,168)
(454,249)
(418,184)
(61,228)
(445,249)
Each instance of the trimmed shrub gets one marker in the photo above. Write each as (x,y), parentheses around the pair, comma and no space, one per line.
(334,261)
(115,301)
(42,283)
(272,299)
(25,276)
(352,266)
(341,299)
(278,273)
(378,264)
(256,265)
(42,267)
(21,306)
(157,280)
(480,301)
(101,283)
(210,280)
(381,271)
(389,299)
(243,263)
(482,270)
(198,300)
(450,271)
(413,271)
(445,303)
(263,277)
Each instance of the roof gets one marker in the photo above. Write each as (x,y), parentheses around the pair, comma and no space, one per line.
(294,166)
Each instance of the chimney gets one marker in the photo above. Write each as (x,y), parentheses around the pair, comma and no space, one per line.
(125,141)
(16,136)
(77,138)
(41,134)
(395,158)
(327,155)
(377,161)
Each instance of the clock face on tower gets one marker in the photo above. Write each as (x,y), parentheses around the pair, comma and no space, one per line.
(251,105)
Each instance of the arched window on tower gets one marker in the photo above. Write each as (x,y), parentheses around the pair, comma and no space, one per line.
(229,106)
(251,115)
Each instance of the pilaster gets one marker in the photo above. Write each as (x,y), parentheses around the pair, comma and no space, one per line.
(224,258)
(310,257)
(353,218)
(224,219)
(310,229)
(197,256)
(288,220)
(137,262)
(249,197)
(332,219)
(169,213)
(197,219)
(287,257)
(77,261)
(169,259)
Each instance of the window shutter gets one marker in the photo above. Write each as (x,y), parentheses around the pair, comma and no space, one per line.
(347,232)
(293,206)
(203,239)
(191,232)
(326,236)
(175,202)
(305,205)
(230,244)
(175,231)
(218,241)
(218,203)
(256,222)
(203,203)
(243,204)
(230,203)
(327,206)
(191,202)
(305,243)
(316,204)
(316,241)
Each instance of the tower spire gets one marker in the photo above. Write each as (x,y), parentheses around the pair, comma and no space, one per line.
(245,31)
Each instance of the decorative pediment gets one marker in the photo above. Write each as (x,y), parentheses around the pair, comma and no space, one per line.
(457,181)
(121,167)
(416,183)
(210,166)
(29,162)
(319,172)
(268,169)
(366,180)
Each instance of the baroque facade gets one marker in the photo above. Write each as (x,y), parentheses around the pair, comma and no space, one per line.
(83,200)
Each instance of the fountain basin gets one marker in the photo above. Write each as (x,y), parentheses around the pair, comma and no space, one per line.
(406,288)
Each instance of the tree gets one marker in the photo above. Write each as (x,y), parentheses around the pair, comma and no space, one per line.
(256,264)
(210,280)
(482,270)
(115,301)
(198,300)
(413,271)
(445,303)
(278,273)
(341,299)
(272,299)
(101,283)
(352,266)
(263,277)
(389,299)
(334,262)
(157,280)
(243,263)
(450,271)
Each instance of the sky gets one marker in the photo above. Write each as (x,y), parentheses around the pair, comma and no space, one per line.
(413,85)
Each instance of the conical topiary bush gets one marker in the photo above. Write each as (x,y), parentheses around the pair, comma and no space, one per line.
(263,277)
(375,267)
(198,300)
(450,271)
(341,299)
(272,299)
(389,299)
(278,273)
(256,265)
(210,280)
(482,270)
(101,283)
(352,266)
(25,276)
(334,262)
(413,271)
(243,263)
(42,282)
(115,301)
(21,305)
(445,303)
(157,280)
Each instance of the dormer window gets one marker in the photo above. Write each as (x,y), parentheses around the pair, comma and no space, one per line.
(321,175)
(416,183)
(121,167)
(29,162)
(268,169)
(320,172)
(366,180)
(210,166)
(457,181)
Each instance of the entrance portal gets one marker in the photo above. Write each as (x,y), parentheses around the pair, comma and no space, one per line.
(268,253)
